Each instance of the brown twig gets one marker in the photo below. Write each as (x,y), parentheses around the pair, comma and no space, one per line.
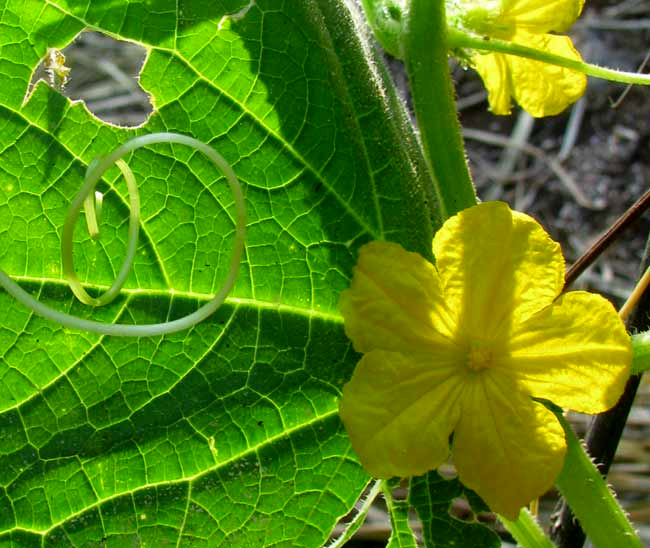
(595,250)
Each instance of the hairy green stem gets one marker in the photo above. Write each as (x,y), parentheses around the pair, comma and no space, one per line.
(459,39)
(589,497)
(526,531)
(94,173)
(435,107)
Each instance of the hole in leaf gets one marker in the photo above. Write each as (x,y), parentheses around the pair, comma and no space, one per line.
(103,72)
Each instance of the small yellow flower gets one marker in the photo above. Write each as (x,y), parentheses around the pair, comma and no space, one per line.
(464,346)
(540,88)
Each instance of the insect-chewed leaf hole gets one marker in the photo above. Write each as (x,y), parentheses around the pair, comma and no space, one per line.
(102,72)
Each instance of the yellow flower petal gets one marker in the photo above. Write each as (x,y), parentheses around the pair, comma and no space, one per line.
(541,17)
(493,70)
(540,88)
(496,265)
(508,448)
(575,353)
(473,364)
(394,301)
(399,411)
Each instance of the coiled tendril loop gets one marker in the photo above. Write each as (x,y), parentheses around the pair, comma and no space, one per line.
(91,202)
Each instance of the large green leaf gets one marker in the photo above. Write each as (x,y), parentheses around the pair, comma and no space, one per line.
(226,434)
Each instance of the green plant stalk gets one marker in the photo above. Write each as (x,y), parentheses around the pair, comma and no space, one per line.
(526,531)
(458,39)
(641,348)
(435,106)
(591,501)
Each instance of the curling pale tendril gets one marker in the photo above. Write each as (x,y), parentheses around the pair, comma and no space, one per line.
(92,208)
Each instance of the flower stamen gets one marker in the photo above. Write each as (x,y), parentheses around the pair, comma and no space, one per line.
(479,357)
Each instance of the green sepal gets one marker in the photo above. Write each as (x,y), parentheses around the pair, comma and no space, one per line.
(386,19)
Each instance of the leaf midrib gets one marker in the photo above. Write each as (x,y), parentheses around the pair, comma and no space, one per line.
(194,296)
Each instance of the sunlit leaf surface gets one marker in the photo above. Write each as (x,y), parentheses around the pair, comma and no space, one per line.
(226,434)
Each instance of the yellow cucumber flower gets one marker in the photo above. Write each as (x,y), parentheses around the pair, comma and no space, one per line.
(466,347)
(540,88)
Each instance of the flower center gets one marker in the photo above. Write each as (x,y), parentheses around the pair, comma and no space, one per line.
(479,357)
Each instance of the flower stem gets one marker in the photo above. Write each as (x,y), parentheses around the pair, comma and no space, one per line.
(435,107)
(526,531)
(459,39)
(591,501)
